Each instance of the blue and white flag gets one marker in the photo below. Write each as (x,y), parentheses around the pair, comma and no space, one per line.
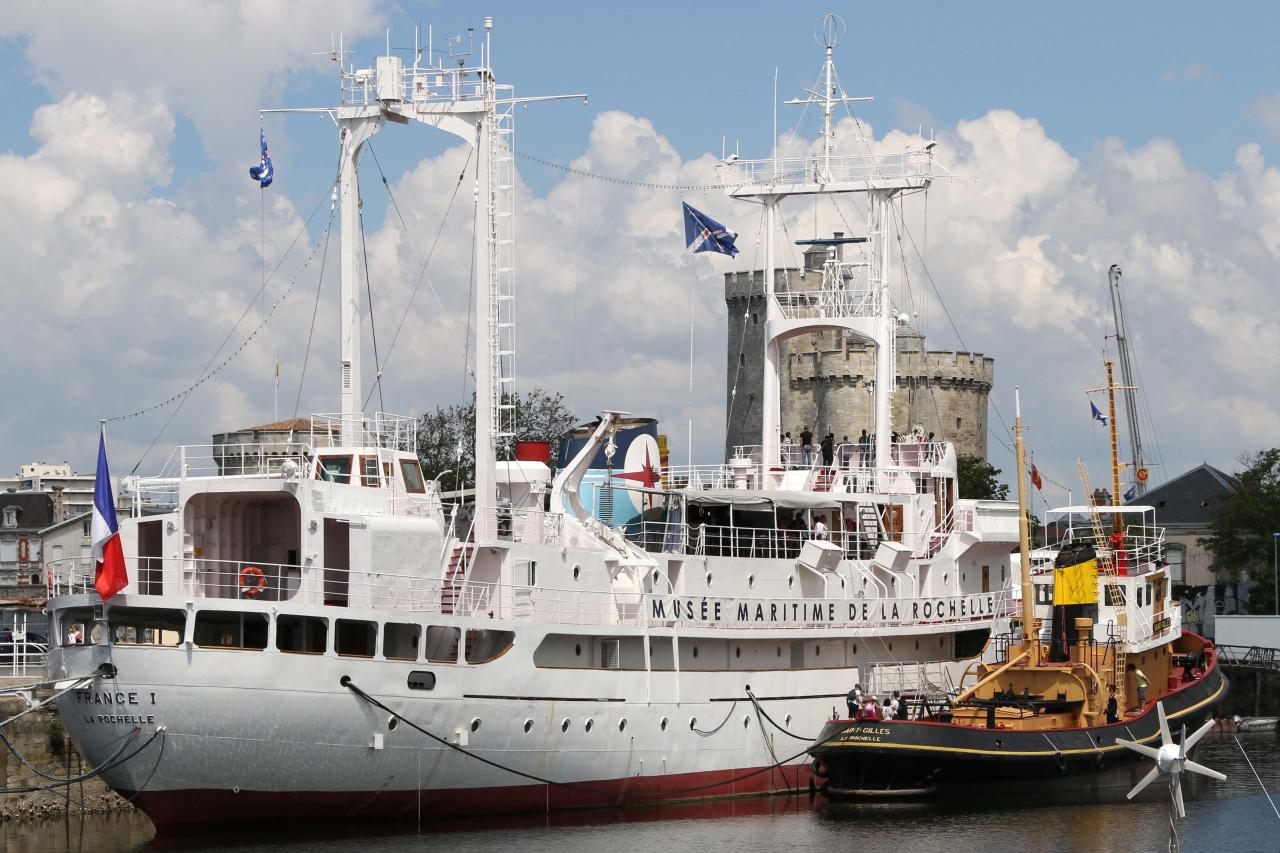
(704,234)
(1130,494)
(1097,414)
(264,171)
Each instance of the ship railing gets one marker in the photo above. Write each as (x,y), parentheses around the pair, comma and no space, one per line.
(417,85)
(910,166)
(835,302)
(22,658)
(919,678)
(712,540)
(852,471)
(388,431)
(213,581)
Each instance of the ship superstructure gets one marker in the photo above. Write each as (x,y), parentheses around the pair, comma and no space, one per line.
(310,632)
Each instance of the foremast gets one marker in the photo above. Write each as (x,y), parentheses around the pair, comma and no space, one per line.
(868,315)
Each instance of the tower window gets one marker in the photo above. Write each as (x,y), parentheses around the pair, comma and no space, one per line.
(755,319)
(957,423)
(742,359)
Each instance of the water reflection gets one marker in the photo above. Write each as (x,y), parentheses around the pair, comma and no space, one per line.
(1235,812)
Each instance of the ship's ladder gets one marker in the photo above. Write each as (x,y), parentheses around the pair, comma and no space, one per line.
(455,575)
(870,525)
(1106,565)
(502,270)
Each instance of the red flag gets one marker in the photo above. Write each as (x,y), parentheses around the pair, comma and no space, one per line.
(1035,479)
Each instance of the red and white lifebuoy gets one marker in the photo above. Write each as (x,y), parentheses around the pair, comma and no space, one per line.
(252,581)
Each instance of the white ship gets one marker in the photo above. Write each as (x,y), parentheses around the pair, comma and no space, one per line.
(310,633)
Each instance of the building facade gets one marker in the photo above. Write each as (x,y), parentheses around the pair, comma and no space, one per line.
(828,378)
(22,516)
(72,492)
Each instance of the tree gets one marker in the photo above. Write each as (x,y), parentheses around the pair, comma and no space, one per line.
(979,479)
(447,436)
(1240,538)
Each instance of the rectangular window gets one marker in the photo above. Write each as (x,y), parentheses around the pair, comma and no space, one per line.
(75,627)
(335,469)
(303,635)
(217,629)
(442,644)
(355,638)
(484,645)
(400,641)
(412,476)
(147,627)
(369,471)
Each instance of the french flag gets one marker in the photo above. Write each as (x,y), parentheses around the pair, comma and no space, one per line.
(111,576)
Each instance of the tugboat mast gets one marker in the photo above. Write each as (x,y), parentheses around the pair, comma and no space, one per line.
(1030,636)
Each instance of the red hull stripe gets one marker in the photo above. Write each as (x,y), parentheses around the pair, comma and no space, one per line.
(171,810)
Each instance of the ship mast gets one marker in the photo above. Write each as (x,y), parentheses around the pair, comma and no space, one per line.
(880,177)
(1126,376)
(1030,637)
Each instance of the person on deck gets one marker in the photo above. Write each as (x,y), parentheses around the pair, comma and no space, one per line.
(820,530)
(854,701)
(1143,684)
(899,706)
(1113,707)
(864,450)
(871,709)
(829,449)
(806,447)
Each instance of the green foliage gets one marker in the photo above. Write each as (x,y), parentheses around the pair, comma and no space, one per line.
(979,479)
(447,436)
(1240,537)
(56,735)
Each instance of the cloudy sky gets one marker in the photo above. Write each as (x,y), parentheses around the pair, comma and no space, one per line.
(133,240)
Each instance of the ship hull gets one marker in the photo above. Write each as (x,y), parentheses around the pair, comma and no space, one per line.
(869,761)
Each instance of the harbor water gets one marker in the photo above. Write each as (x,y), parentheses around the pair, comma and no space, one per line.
(1234,815)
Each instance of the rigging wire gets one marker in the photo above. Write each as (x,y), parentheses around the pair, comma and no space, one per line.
(346,682)
(649,185)
(182,397)
(315,309)
(373,328)
(422,275)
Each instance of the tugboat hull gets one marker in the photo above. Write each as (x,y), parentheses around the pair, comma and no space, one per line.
(877,760)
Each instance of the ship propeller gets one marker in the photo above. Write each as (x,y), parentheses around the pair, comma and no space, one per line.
(1171,759)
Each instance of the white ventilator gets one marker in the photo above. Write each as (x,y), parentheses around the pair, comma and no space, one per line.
(1171,759)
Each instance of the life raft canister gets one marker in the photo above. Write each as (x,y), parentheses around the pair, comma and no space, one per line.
(252,581)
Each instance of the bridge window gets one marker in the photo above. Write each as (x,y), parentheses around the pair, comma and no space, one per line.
(230,630)
(306,635)
(400,641)
(412,476)
(335,469)
(369,471)
(147,627)
(442,643)
(355,638)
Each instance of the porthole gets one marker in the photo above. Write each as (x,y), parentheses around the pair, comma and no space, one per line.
(475,725)
(577,571)
(693,721)
(577,649)
(392,723)
(590,724)
(528,726)
(746,722)
(663,725)
(622,724)
(695,651)
(737,652)
(751,581)
(791,581)
(564,724)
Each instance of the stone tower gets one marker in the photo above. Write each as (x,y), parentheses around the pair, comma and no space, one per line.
(827,378)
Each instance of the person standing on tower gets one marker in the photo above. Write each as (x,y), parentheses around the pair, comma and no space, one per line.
(806,447)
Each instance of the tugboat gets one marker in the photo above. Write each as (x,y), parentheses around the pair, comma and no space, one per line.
(1051,713)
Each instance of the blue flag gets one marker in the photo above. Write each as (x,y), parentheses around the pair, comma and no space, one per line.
(1097,414)
(264,171)
(704,234)
(1130,494)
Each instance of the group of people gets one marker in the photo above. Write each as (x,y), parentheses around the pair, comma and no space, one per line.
(800,452)
(866,707)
